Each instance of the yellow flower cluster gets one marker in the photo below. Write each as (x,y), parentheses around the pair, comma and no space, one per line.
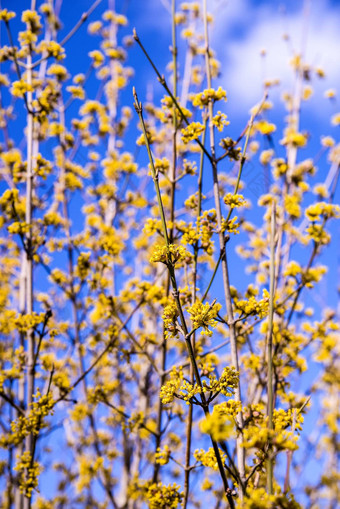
(170,254)
(186,391)
(27,473)
(53,49)
(191,235)
(162,456)
(314,275)
(207,223)
(231,226)
(259,437)
(209,95)
(282,419)
(292,205)
(20,88)
(32,423)
(169,316)
(166,113)
(32,20)
(228,408)
(6,15)
(226,384)
(336,119)
(208,458)
(192,132)
(83,265)
(110,242)
(234,200)
(259,498)
(58,71)
(317,233)
(217,426)
(160,496)
(192,201)
(320,210)
(204,315)
(87,471)
(220,120)
(264,127)
(292,137)
(23,323)
(19,227)
(253,307)
(308,276)
(168,390)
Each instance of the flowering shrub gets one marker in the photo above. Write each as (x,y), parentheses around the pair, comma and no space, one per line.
(137,368)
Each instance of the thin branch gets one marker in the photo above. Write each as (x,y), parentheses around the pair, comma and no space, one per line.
(270,347)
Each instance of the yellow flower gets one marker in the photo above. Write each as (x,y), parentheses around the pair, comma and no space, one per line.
(234,200)
(336,119)
(203,98)
(220,120)
(330,94)
(20,88)
(6,15)
(170,254)
(160,496)
(32,20)
(192,132)
(219,427)
(57,70)
(97,57)
(169,389)
(292,137)
(292,205)
(208,458)
(162,456)
(264,127)
(203,315)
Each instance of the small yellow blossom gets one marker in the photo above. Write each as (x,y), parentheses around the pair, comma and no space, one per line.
(327,141)
(169,389)
(234,200)
(203,98)
(330,93)
(57,70)
(220,120)
(208,458)
(293,137)
(204,315)
(170,254)
(192,132)
(252,306)
(264,127)
(160,496)
(336,119)
(6,15)
(162,456)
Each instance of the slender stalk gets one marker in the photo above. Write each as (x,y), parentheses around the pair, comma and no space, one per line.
(196,249)
(174,50)
(226,283)
(19,499)
(30,375)
(270,461)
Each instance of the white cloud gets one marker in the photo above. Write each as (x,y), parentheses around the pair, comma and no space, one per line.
(242,30)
